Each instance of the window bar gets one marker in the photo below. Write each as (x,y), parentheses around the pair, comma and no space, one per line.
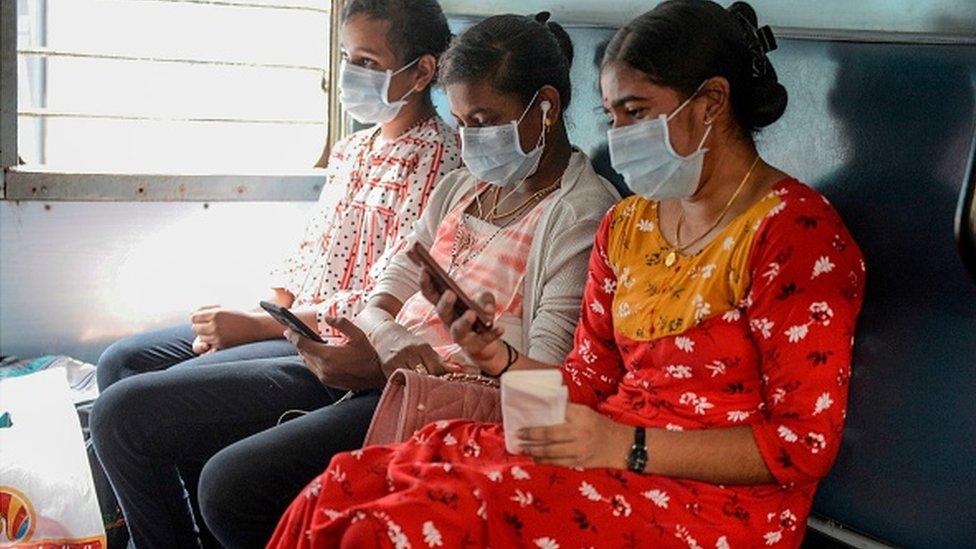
(241,4)
(49,52)
(47,113)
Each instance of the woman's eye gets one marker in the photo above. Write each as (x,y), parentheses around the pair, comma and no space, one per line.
(636,113)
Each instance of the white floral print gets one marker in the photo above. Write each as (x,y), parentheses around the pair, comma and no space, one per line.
(659,497)
(524,499)
(519,473)
(589,492)
(678,371)
(686,344)
(737,415)
(546,543)
(762,325)
(823,265)
(432,536)
(699,403)
(797,333)
(823,403)
(787,434)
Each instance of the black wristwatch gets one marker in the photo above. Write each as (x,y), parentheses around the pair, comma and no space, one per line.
(637,460)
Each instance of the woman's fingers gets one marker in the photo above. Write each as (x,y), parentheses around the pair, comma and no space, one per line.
(559,450)
(204,328)
(427,288)
(547,435)
(487,302)
(352,332)
(204,314)
(445,307)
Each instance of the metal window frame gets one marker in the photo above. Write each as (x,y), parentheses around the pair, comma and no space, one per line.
(26,183)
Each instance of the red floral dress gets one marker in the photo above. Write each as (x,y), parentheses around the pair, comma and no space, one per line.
(756,329)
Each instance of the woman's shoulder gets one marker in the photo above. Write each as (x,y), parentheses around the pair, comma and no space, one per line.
(796,204)
(434,131)
(797,216)
(585,195)
(451,189)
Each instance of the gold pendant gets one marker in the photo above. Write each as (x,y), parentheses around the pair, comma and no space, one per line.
(670,259)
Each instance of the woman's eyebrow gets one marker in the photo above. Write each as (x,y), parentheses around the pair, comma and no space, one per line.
(363,50)
(626,99)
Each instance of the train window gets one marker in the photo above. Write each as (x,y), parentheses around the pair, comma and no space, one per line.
(170,86)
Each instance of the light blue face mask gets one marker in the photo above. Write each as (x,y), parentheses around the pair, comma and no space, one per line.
(363,93)
(494,153)
(643,154)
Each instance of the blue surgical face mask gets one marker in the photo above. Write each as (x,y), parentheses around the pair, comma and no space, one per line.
(363,93)
(643,154)
(494,153)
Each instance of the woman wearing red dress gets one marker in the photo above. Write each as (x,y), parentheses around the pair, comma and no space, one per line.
(708,382)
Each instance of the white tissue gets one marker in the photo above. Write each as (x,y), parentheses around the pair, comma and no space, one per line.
(531,398)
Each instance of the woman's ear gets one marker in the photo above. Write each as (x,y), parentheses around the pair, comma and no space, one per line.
(716,96)
(426,71)
(550,96)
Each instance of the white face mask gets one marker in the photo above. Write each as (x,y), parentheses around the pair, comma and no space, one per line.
(643,154)
(363,93)
(494,153)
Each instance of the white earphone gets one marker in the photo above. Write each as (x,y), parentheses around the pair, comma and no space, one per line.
(545,105)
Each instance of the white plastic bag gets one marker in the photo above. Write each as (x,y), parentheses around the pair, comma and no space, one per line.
(47,497)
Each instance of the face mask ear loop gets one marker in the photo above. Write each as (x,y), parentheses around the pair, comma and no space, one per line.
(686,101)
(708,129)
(389,79)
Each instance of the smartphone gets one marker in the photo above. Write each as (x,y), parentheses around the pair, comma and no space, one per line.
(443,282)
(289,320)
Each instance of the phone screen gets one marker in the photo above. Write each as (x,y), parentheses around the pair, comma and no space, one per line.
(289,320)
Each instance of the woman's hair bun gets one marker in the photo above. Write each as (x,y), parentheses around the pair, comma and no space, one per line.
(745,11)
(559,33)
(768,102)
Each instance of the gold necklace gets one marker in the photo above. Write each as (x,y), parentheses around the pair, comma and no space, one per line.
(678,247)
(495,215)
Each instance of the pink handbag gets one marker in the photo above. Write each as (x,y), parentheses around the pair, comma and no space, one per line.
(412,400)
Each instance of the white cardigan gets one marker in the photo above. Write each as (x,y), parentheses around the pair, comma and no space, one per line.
(558,258)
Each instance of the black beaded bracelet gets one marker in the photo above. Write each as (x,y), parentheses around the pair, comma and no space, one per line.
(513,356)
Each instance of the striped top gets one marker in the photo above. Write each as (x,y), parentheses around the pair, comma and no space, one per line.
(385,186)
(494,260)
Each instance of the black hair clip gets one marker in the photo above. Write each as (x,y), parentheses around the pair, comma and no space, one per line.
(766,39)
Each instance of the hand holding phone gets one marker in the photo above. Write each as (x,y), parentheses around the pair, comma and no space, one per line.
(289,320)
(442,282)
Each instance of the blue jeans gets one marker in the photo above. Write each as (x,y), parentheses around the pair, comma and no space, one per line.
(164,413)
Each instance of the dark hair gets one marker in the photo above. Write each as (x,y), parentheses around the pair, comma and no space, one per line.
(681,43)
(417,27)
(515,53)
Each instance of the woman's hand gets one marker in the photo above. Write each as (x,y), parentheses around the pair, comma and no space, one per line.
(587,439)
(220,328)
(398,348)
(201,348)
(486,350)
(351,366)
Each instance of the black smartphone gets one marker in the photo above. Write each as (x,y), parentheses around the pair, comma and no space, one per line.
(443,282)
(289,320)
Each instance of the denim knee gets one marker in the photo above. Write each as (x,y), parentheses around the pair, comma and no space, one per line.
(223,492)
(115,360)
(119,419)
